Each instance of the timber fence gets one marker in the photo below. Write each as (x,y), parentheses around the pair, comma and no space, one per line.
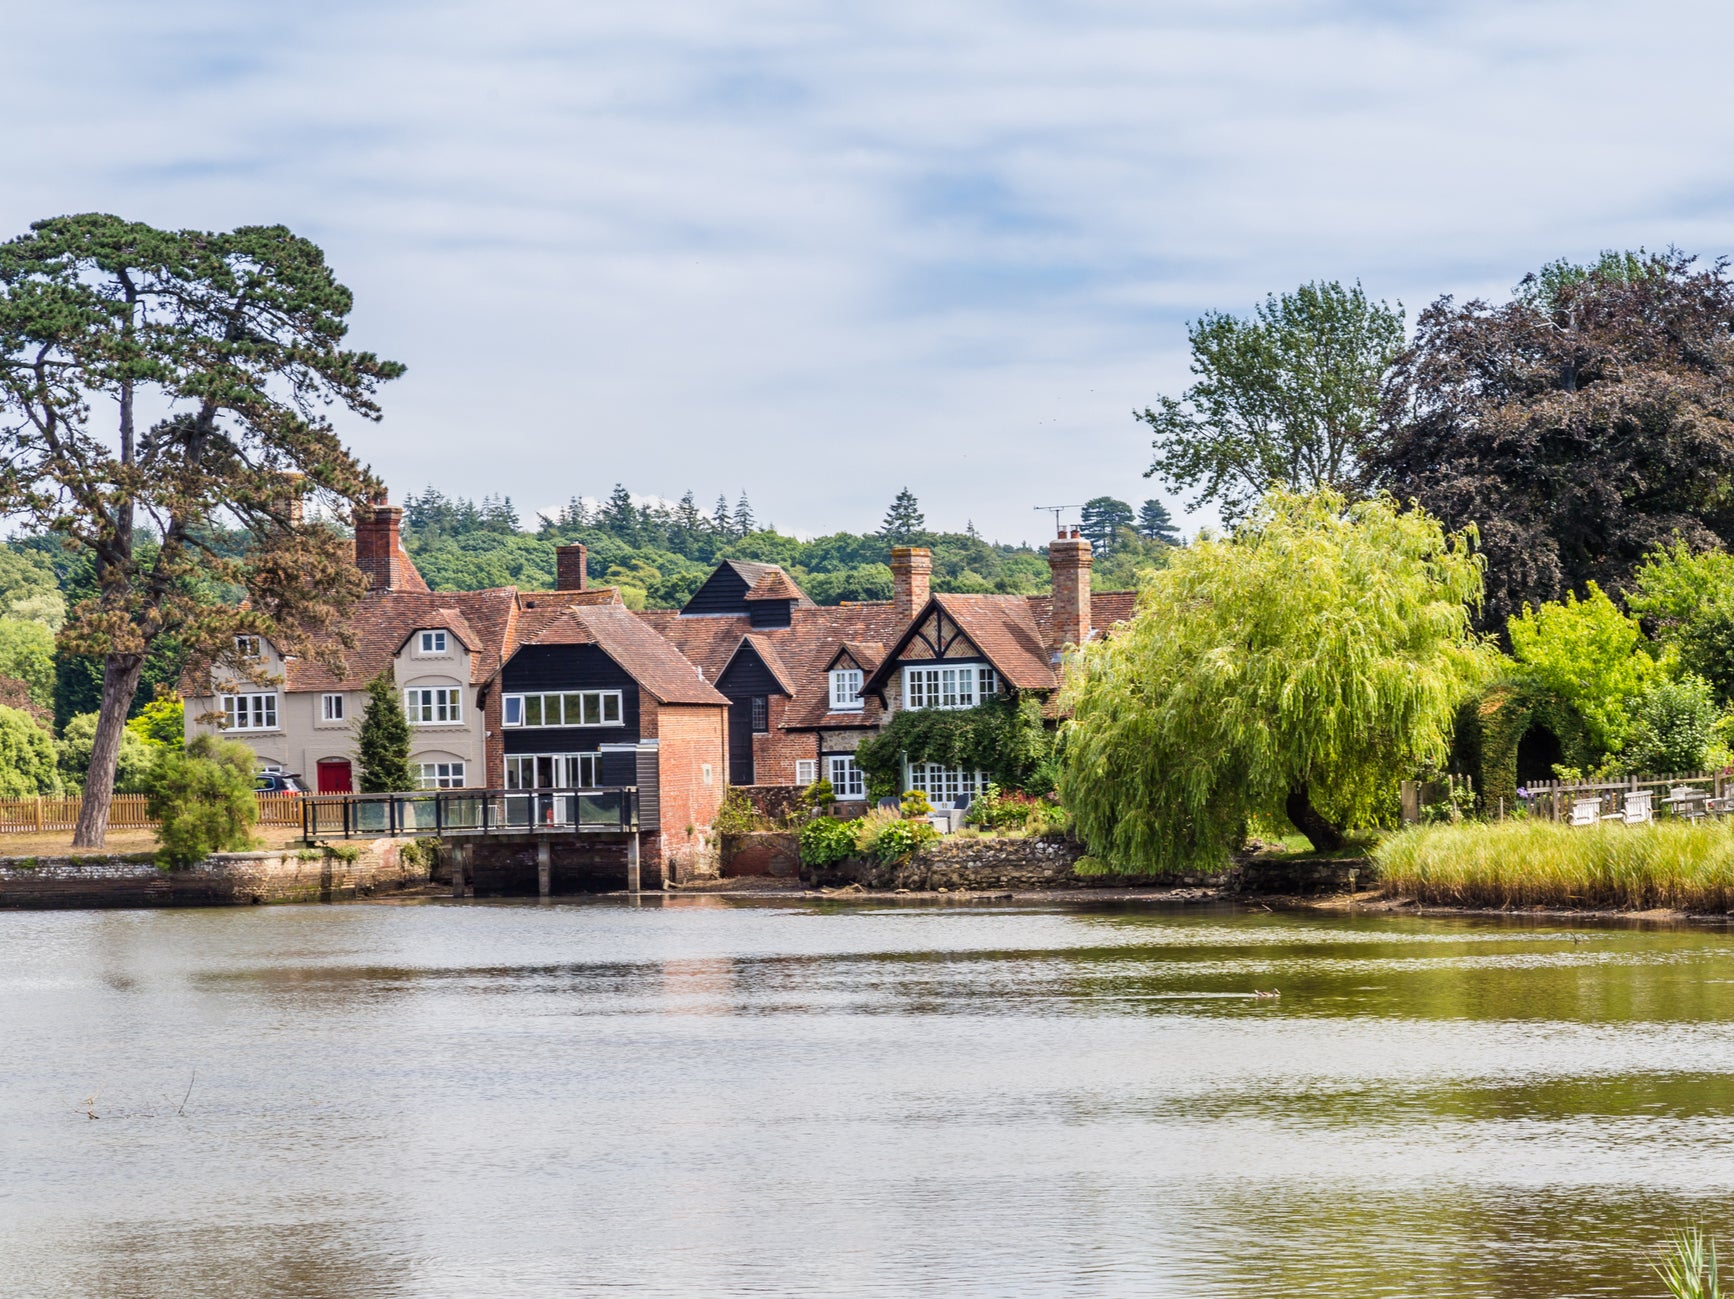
(125,812)
(1553,799)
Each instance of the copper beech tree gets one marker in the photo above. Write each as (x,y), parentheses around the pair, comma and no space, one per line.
(228,348)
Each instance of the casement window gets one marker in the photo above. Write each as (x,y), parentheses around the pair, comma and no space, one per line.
(943,785)
(577,708)
(433,642)
(250,712)
(248,647)
(331,708)
(760,709)
(806,771)
(434,705)
(554,771)
(845,690)
(948,687)
(846,779)
(440,775)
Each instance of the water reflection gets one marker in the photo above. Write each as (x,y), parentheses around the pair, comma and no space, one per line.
(699,1096)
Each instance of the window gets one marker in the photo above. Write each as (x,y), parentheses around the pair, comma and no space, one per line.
(250,712)
(554,771)
(760,708)
(436,706)
(433,642)
(331,708)
(247,647)
(944,785)
(846,779)
(578,708)
(845,690)
(704,773)
(806,771)
(440,775)
(944,687)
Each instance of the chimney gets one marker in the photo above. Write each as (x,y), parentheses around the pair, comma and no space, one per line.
(911,566)
(1069,563)
(379,551)
(570,573)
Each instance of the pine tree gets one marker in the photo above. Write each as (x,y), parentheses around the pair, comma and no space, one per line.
(721,520)
(618,517)
(743,523)
(905,524)
(1155,523)
(686,515)
(1101,519)
(383,740)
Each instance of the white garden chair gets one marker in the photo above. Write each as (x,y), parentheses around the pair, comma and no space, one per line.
(1586,811)
(1638,807)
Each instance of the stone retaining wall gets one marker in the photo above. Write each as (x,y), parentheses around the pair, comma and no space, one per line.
(975,863)
(767,853)
(1305,878)
(226,879)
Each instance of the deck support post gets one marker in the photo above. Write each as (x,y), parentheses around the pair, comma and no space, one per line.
(458,854)
(632,863)
(544,867)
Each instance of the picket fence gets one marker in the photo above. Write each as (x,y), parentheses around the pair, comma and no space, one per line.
(1553,798)
(125,812)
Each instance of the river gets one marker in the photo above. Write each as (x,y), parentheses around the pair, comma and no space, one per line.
(702,1096)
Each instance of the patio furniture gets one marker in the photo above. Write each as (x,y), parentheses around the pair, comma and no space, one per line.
(1688,801)
(1586,811)
(1637,809)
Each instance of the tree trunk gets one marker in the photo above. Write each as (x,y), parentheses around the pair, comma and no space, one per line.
(1323,836)
(120,677)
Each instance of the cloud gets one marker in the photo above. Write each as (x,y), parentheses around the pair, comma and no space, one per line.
(821,253)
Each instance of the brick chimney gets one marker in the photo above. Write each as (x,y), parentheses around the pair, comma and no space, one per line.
(379,551)
(1069,562)
(570,571)
(911,567)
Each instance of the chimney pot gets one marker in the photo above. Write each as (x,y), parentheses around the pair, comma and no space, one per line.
(571,571)
(911,572)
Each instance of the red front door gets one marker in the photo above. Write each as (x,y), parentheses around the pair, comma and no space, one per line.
(334,777)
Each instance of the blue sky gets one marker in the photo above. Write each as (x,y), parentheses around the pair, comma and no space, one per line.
(821,252)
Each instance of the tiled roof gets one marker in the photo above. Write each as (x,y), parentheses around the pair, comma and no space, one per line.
(646,656)
(752,573)
(774,585)
(773,661)
(384,620)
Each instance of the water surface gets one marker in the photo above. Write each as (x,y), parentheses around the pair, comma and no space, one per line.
(710,1097)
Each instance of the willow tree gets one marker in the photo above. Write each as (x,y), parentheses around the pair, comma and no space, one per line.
(231,344)
(1296,669)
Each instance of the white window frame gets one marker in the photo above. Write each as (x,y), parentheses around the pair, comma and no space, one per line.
(249,647)
(434,705)
(846,690)
(570,770)
(943,785)
(251,712)
(439,775)
(806,771)
(433,642)
(848,783)
(607,706)
(331,708)
(948,685)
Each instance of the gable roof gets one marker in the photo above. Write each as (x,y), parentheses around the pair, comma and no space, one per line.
(644,655)
(1003,628)
(732,582)
(385,620)
(775,585)
(760,644)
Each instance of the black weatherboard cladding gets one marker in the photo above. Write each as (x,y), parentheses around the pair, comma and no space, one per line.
(536,669)
(724,591)
(770,613)
(746,675)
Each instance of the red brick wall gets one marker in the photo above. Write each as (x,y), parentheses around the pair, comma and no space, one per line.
(689,736)
(776,751)
(494,745)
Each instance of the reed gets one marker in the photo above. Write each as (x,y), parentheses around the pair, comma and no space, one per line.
(1684,865)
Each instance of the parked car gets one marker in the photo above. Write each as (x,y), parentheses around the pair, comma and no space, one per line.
(279,782)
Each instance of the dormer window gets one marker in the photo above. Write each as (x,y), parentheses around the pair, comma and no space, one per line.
(846,690)
(433,642)
(247,647)
(946,687)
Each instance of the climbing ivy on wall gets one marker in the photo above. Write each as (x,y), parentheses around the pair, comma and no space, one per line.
(1005,738)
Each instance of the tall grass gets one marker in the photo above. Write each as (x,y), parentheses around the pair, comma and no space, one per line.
(1539,863)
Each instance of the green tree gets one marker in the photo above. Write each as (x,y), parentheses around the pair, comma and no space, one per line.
(1296,669)
(1101,521)
(905,524)
(237,338)
(1156,524)
(202,800)
(162,721)
(1287,399)
(744,523)
(1686,602)
(132,767)
(1580,425)
(27,654)
(1673,727)
(1591,655)
(28,761)
(383,740)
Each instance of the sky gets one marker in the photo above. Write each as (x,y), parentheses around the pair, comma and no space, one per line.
(822,252)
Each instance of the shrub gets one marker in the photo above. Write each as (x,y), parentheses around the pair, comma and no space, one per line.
(892,839)
(1675,723)
(826,840)
(162,721)
(202,799)
(27,756)
(383,740)
(737,815)
(1009,810)
(818,794)
(915,803)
